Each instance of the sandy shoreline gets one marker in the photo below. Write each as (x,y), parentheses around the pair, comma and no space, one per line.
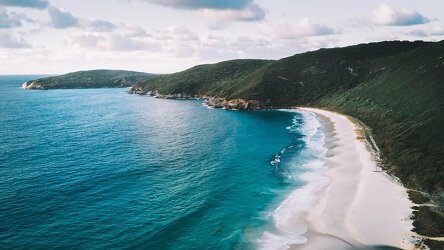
(360,206)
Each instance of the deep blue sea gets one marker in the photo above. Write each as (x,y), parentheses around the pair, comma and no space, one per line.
(99,169)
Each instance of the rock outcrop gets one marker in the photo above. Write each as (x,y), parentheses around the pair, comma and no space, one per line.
(234,104)
(215,102)
(137,89)
(32,85)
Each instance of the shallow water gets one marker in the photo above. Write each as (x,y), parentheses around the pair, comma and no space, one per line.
(98,168)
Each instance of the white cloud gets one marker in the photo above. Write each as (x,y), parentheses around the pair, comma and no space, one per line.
(112,42)
(437,31)
(134,31)
(10,19)
(302,28)
(217,48)
(247,43)
(417,33)
(177,33)
(386,15)
(99,25)
(122,43)
(7,40)
(61,19)
(173,41)
(219,11)
(250,13)
(181,50)
(87,40)
(426,32)
(203,4)
(37,4)
(177,41)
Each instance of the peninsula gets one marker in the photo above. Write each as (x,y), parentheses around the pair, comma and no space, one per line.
(89,79)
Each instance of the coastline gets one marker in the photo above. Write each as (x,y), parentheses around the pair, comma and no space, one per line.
(361,206)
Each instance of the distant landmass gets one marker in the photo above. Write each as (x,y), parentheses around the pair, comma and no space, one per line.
(90,79)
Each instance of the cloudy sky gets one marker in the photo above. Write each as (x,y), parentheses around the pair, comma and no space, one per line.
(161,36)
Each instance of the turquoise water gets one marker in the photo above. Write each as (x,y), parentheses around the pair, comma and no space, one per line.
(99,168)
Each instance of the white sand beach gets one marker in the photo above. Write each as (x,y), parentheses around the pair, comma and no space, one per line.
(360,206)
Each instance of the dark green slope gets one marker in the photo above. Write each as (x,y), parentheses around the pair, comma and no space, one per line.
(404,105)
(90,79)
(304,78)
(210,79)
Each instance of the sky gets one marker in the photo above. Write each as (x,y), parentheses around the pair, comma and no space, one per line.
(164,36)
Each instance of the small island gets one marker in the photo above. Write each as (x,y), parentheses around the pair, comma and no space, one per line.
(101,78)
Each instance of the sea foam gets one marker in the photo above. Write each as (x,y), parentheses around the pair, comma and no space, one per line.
(308,167)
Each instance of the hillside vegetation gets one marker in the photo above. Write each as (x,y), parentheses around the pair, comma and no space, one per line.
(396,88)
(89,79)
(218,79)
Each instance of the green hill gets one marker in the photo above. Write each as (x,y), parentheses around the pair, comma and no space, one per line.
(89,79)
(211,79)
(304,78)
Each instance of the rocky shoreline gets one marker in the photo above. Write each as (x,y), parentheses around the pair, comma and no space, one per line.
(32,85)
(234,104)
(212,101)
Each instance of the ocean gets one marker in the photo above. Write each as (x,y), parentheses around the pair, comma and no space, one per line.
(99,168)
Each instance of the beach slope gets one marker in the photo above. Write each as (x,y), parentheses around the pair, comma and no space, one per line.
(362,206)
